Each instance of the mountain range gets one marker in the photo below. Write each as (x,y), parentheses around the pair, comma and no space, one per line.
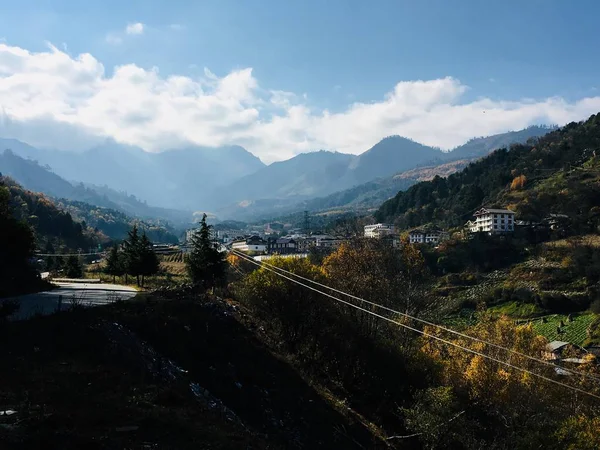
(230,181)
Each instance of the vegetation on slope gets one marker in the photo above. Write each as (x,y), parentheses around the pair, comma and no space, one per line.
(51,225)
(115,224)
(451,201)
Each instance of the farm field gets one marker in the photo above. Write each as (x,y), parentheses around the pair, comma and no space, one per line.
(574,332)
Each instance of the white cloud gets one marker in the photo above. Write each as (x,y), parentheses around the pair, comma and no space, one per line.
(177,27)
(76,96)
(134,28)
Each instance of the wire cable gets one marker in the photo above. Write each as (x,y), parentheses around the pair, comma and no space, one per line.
(432,324)
(423,333)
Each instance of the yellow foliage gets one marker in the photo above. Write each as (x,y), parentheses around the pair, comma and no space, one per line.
(518,183)
(580,433)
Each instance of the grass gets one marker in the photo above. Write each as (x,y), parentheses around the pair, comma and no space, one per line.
(517,309)
(574,332)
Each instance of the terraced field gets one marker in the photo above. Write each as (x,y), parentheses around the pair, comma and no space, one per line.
(574,332)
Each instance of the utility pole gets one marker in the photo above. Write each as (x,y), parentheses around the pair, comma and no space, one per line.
(306,223)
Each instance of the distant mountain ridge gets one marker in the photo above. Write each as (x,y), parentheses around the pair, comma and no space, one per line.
(557,173)
(228,180)
(34,177)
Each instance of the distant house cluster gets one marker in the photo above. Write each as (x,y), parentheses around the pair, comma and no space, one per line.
(287,245)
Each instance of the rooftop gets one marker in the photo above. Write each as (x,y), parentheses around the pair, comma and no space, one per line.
(493,211)
(555,345)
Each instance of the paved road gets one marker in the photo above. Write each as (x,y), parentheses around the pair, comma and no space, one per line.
(82,293)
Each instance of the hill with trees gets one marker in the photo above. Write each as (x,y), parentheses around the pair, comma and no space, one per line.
(35,177)
(116,224)
(556,173)
(51,226)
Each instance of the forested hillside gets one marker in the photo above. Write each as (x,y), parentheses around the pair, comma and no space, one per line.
(35,177)
(565,158)
(115,224)
(51,225)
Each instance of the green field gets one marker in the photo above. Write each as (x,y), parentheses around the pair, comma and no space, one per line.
(517,310)
(574,332)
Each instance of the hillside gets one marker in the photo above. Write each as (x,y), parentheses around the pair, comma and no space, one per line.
(180,179)
(481,146)
(226,180)
(372,194)
(115,224)
(450,201)
(50,224)
(31,175)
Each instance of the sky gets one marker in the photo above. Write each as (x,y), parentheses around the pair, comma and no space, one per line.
(285,77)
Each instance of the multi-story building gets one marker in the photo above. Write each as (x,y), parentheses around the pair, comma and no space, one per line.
(282,246)
(379,230)
(493,221)
(252,244)
(427,236)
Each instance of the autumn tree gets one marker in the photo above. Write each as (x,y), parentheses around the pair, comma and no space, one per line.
(376,271)
(518,183)
(295,314)
(525,407)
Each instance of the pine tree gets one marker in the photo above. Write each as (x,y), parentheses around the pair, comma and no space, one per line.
(74,268)
(114,263)
(206,266)
(132,254)
(148,260)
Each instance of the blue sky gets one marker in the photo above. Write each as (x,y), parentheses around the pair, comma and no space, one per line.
(336,52)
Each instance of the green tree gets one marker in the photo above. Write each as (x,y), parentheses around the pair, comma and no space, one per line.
(114,263)
(206,266)
(132,254)
(74,269)
(149,263)
(16,247)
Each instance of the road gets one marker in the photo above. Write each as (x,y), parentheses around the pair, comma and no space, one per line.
(81,293)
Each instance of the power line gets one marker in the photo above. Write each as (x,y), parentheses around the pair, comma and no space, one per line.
(432,324)
(423,333)
(68,254)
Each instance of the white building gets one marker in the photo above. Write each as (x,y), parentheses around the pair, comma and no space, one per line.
(430,236)
(252,244)
(492,221)
(379,230)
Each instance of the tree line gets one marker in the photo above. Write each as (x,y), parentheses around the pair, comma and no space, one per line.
(134,257)
(205,264)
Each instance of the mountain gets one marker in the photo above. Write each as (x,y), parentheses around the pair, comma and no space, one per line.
(181,179)
(389,156)
(34,177)
(305,175)
(232,183)
(373,193)
(555,174)
(326,179)
(481,146)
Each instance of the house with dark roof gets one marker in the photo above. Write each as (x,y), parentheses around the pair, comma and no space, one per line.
(281,246)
